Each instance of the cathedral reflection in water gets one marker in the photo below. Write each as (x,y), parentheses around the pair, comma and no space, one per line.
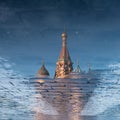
(64,96)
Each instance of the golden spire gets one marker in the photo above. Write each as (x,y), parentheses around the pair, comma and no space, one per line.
(64,34)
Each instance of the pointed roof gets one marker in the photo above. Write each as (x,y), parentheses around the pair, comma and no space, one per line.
(64,63)
(78,69)
(64,54)
(43,71)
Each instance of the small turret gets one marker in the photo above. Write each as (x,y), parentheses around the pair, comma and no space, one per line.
(78,69)
(43,72)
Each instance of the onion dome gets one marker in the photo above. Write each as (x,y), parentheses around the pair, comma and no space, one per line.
(64,34)
(43,71)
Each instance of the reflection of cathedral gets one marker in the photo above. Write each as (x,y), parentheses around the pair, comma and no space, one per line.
(63,99)
(64,63)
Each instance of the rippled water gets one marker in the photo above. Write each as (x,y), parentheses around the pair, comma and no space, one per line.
(25,98)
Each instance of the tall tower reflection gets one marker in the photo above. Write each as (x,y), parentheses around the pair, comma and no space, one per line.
(64,63)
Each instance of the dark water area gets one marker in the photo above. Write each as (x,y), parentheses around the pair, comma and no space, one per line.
(25,98)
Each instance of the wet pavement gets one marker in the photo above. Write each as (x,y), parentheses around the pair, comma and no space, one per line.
(66,96)
(23,98)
